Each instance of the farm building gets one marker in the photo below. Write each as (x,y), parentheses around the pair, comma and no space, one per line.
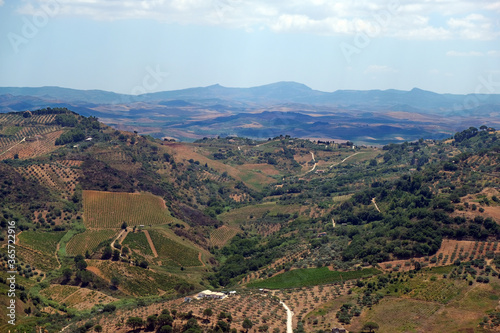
(211,294)
(339,330)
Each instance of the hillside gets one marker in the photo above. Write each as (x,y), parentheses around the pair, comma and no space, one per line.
(373,117)
(340,231)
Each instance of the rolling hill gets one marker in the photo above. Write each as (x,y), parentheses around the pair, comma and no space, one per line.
(341,232)
(370,117)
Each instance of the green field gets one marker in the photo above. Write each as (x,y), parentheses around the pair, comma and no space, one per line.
(241,215)
(174,252)
(45,242)
(38,248)
(110,209)
(311,277)
(138,241)
(88,240)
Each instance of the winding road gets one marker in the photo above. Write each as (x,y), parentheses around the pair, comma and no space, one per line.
(24,139)
(348,157)
(289,315)
(373,200)
(314,160)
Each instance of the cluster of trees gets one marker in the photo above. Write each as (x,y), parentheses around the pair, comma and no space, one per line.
(245,254)
(346,312)
(81,127)
(466,134)
(164,323)
(81,275)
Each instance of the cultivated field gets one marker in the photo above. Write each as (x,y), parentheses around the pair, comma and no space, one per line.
(450,251)
(76,297)
(311,276)
(40,145)
(55,175)
(111,209)
(462,313)
(255,180)
(261,309)
(134,280)
(137,241)
(244,214)
(88,241)
(38,248)
(220,236)
(172,252)
(44,242)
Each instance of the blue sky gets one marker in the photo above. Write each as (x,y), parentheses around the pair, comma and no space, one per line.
(133,46)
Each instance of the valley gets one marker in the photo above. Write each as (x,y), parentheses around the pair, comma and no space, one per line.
(119,232)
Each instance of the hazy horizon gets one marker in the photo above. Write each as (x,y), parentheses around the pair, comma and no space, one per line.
(145,46)
(249,87)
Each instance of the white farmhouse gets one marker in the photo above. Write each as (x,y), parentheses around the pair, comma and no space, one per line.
(211,294)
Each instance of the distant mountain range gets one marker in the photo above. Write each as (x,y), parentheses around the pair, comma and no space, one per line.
(372,116)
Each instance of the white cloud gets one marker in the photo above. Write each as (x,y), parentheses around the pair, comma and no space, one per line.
(1,3)
(493,53)
(411,19)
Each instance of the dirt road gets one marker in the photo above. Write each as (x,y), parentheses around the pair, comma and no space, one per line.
(289,315)
(24,139)
(151,245)
(373,200)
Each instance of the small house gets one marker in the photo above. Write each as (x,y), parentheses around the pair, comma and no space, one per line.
(211,294)
(339,330)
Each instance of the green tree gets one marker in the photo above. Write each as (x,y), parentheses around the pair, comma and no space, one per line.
(67,273)
(107,253)
(165,329)
(164,319)
(263,328)
(151,322)
(247,324)
(192,326)
(115,281)
(135,322)
(208,312)
(370,326)
(81,265)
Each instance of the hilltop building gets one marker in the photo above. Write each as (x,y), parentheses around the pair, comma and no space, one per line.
(211,294)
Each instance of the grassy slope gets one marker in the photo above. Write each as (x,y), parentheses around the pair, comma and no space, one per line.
(175,252)
(310,277)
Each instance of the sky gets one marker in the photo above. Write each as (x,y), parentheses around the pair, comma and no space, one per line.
(142,46)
